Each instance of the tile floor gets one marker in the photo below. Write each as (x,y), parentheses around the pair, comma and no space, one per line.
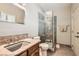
(62,51)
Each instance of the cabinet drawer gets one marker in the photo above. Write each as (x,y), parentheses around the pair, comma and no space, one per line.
(33,48)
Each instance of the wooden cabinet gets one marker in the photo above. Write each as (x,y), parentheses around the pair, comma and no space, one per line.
(32,51)
(35,53)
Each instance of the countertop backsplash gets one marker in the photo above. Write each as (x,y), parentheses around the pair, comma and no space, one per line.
(12,38)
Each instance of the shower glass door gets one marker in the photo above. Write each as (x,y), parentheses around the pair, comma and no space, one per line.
(48,30)
(51,32)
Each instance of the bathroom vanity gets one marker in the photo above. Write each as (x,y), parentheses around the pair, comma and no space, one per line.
(30,49)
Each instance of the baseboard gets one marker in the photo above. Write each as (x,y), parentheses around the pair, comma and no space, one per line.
(65,44)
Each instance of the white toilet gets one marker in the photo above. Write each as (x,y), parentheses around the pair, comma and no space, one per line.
(43,49)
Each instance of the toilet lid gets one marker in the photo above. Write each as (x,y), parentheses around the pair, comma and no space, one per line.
(43,45)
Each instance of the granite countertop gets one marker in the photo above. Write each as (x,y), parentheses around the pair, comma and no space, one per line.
(6,52)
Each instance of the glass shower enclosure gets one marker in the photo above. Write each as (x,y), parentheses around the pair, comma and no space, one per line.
(48,30)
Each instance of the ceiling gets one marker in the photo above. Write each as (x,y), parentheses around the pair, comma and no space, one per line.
(50,6)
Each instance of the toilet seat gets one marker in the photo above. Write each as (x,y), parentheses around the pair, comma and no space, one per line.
(44,46)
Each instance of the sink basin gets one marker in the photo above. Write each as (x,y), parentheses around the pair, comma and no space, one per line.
(16,46)
(24,43)
(13,47)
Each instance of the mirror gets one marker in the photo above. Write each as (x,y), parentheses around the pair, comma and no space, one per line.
(7,17)
(11,13)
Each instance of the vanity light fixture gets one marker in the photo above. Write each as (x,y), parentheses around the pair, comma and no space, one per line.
(20,6)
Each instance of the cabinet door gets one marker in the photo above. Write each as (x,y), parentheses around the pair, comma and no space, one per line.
(35,53)
(32,50)
(75,33)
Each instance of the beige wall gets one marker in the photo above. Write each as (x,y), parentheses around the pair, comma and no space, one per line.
(9,8)
(32,18)
(12,29)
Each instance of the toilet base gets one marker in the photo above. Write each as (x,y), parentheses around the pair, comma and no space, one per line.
(43,49)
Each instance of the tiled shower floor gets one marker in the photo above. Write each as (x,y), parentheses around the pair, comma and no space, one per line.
(62,51)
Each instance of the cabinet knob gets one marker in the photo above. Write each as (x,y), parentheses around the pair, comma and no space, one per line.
(77,36)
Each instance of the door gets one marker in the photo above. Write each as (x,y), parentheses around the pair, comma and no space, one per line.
(75,31)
